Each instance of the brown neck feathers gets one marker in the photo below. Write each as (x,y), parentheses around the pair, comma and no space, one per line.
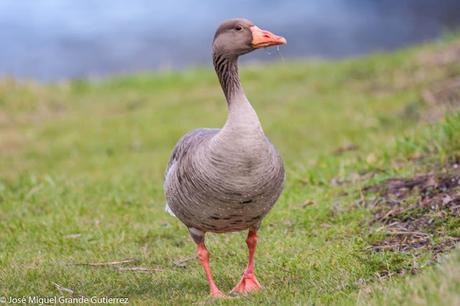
(227,71)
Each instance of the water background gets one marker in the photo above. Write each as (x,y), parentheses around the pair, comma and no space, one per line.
(60,39)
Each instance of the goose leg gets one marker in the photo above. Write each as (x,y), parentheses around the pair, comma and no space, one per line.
(248,282)
(203,256)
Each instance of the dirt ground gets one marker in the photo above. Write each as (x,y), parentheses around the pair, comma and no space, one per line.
(418,212)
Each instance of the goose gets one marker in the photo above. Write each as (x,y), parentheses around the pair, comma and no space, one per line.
(227,180)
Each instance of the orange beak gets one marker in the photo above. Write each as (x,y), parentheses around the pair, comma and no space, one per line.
(262,38)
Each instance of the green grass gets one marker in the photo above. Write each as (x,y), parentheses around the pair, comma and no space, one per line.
(439,285)
(81,166)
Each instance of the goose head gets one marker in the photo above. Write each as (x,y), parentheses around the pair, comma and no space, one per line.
(236,37)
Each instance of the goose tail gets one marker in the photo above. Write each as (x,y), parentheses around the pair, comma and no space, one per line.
(168,210)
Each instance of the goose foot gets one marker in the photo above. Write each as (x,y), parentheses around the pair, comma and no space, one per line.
(217,294)
(248,283)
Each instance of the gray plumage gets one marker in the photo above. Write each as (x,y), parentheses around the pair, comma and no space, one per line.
(223,180)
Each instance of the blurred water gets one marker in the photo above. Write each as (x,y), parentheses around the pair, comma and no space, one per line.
(58,39)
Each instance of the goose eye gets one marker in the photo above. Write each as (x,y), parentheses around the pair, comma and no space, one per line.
(238,28)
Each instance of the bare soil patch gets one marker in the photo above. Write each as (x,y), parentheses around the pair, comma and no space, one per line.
(422,212)
(442,97)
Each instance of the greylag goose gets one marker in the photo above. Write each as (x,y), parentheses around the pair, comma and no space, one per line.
(226,180)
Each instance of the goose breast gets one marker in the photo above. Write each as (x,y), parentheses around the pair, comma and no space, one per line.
(222,187)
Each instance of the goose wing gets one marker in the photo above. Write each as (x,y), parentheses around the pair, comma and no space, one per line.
(185,146)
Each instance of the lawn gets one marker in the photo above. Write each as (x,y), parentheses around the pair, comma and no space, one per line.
(81,170)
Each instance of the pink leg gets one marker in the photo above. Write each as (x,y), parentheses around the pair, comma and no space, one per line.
(203,256)
(249,281)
